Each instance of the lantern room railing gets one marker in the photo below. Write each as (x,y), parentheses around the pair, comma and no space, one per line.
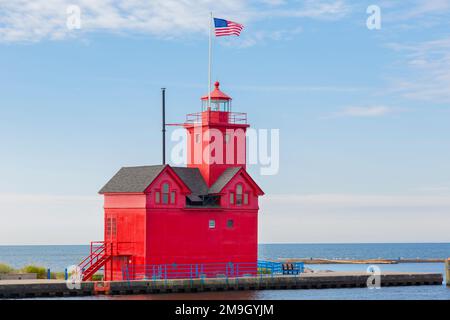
(216,117)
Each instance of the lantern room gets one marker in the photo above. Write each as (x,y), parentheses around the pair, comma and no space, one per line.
(218,133)
(219,100)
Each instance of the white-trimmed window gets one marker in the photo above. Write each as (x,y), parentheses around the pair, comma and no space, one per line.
(239,194)
(165,193)
(212,224)
(246,196)
(111,228)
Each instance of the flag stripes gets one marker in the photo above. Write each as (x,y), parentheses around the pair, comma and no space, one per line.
(227,28)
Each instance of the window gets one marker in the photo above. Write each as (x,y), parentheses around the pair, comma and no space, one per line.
(239,197)
(165,193)
(239,194)
(230,223)
(108,227)
(111,228)
(231,197)
(212,224)
(197,137)
(227,137)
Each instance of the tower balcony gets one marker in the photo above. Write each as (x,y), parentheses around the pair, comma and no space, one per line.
(216,117)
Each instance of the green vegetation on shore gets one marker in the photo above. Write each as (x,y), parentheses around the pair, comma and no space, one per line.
(41,272)
(4,268)
(97,277)
(264,271)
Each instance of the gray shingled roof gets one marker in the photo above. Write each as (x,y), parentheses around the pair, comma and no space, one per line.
(224,178)
(194,198)
(132,179)
(193,179)
(137,179)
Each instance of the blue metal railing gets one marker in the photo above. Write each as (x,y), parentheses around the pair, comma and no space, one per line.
(277,267)
(206,270)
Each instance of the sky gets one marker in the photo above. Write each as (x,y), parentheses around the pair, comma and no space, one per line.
(363,114)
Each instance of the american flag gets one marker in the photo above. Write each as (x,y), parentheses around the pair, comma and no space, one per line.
(227,28)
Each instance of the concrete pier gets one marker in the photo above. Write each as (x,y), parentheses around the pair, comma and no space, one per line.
(58,288)
(18,276)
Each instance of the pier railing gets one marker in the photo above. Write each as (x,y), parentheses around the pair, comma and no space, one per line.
(208,270)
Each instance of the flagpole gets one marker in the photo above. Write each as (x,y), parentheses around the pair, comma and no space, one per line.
(210,60)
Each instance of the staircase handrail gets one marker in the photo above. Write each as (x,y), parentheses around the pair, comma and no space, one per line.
(94,254)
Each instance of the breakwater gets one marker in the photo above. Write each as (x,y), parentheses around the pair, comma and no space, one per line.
(359,261)
(58,288)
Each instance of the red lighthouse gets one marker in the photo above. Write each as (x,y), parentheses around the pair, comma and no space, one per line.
(202,214)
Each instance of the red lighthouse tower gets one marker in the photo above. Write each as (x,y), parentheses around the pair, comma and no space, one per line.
(204,214)
(216,137)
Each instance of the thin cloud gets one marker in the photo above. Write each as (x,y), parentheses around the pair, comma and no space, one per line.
(274,2)
(298,88)
(402,11)
(262,37)
(436,189)
(32,21)
(327,10)
(428,7)
(353,218)
(428,63)
(326,201)
(37,20)
(365,112)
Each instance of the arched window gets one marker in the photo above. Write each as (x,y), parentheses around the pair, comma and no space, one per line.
(165,193)
(239,194)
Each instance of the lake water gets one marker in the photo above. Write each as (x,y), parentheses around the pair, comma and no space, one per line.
(58,257)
